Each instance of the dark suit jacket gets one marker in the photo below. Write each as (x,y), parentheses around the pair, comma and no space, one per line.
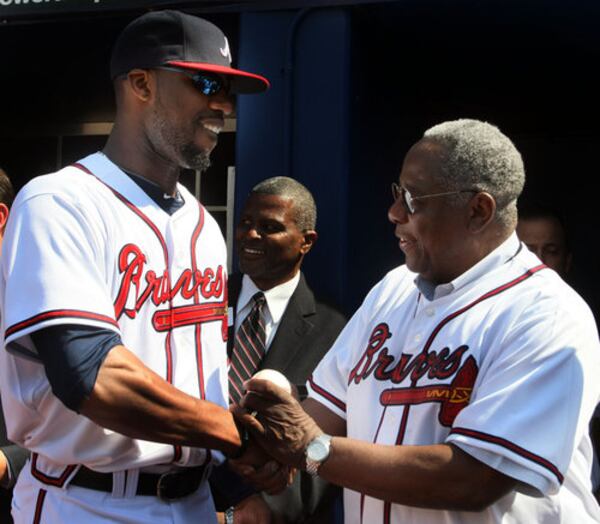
(307,330)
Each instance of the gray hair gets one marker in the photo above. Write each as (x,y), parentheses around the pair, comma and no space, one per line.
(305,209)
(478,156)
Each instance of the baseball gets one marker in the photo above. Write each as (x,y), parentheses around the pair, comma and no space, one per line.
(274,376)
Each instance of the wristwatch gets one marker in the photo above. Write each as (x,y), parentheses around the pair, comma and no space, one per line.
(316,453)
(229,515)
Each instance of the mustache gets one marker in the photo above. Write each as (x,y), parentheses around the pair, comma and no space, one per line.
(210,115)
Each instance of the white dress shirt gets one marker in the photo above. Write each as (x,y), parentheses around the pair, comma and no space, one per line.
(277,300)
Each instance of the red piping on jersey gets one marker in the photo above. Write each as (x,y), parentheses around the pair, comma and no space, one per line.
(177,451)
(39,504)
(334,400)
(489,294)
(198,328)
(158,234)
(511,446)
(47,479)
(59,313)
(494,292)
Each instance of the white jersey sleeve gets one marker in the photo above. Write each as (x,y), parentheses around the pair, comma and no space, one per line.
(56,269)
(531,391)
(329,382)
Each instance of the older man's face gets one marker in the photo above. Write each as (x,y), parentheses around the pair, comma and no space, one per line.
(432,238)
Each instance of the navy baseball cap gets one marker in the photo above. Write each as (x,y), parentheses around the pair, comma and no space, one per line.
(172,38)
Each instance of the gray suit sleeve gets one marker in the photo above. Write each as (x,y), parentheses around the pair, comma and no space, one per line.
(16,458)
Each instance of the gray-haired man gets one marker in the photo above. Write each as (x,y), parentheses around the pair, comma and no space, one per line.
(462,389)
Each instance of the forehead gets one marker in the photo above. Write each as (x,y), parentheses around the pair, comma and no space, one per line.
(268,206)
(422,166)
(541,230)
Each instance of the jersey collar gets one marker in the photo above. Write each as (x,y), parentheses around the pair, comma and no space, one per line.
(502,254)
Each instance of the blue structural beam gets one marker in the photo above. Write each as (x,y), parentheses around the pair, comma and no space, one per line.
(300,128)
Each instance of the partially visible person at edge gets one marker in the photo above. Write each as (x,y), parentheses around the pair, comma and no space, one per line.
(115,371)
(276,230)
(12,458)
(462,389)
(543,232)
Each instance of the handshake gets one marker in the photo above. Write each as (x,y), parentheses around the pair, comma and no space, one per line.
(279,430)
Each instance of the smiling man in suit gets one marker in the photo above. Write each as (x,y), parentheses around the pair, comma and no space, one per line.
(275,232)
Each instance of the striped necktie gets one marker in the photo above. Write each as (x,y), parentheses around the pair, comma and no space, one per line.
(248,348)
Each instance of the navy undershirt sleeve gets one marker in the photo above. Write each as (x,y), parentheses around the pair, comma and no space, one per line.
(72,355)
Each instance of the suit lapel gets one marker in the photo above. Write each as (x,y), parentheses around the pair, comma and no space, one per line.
(294,326)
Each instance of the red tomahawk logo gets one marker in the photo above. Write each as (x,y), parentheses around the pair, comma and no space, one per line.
(452,397)
(168,319)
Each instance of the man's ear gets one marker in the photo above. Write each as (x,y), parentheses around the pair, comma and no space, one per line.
(141,82)
(482,211)
(3,216)
(309,238)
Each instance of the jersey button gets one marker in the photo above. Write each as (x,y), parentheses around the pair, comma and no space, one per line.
(418,338)
(430,311)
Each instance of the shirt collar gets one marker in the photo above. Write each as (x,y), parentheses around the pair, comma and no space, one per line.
(167,203)
(277,297)
(502,254)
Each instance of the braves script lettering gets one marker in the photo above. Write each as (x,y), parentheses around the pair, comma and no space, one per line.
(377,362)
(209,283)
(453,397)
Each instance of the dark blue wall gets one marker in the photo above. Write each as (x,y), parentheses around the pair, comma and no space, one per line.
(300,127)
(354,88)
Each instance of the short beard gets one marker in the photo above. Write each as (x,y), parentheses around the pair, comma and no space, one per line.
(194,158)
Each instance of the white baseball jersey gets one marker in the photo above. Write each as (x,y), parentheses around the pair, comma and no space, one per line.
(502,362)
(87,246)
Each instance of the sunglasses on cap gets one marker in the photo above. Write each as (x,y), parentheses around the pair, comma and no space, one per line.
(207,83)
(407,199)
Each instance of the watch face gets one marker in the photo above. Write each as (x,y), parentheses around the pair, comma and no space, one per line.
(317,450)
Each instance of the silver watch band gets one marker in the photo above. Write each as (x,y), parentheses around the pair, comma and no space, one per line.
(316,453)
(229,515)
(312,468)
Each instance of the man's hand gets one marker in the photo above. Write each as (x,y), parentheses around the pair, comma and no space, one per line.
(280,425)
(260,470)
(251,510)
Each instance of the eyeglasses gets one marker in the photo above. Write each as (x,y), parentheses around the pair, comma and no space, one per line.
(400,192)
(207,83)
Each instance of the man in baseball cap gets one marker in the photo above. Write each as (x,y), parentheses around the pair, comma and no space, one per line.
(180,41)
(115,373)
